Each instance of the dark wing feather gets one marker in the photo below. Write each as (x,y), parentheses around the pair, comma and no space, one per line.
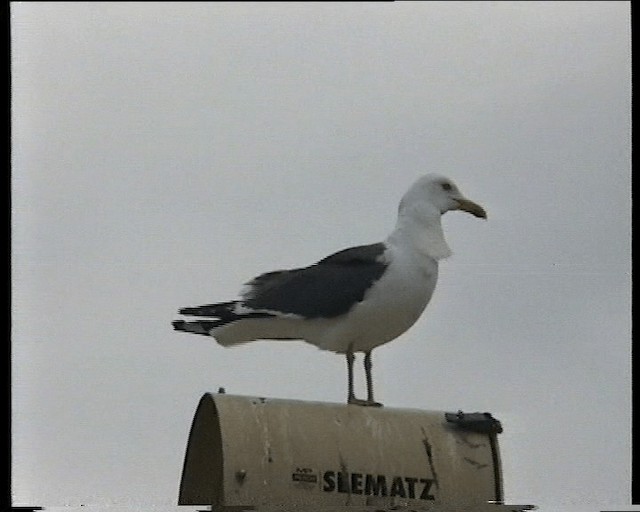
(326,289)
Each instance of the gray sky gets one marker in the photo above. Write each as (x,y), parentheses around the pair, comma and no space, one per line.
(163,154)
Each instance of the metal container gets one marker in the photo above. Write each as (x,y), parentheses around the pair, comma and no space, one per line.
(246,453)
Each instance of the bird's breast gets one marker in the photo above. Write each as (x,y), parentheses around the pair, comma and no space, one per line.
(404,292)
(392,305)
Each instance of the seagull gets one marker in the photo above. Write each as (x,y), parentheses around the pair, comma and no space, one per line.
(353,300)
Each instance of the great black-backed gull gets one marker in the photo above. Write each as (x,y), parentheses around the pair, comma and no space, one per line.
(352,301)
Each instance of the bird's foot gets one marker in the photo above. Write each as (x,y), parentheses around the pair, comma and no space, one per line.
(364,403)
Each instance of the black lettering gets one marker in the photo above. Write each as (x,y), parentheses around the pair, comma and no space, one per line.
(304,477)
(411,486)
(397,488)
(427,487)
(356,483)
(375,486)
(343,482)
(329,482)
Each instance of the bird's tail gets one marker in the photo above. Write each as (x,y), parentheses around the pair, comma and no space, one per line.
(203,327)
(221,310)
(220,315)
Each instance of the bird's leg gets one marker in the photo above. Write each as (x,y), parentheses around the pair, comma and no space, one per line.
(367,371)
(351,397)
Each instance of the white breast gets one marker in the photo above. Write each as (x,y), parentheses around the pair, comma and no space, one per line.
(391,307)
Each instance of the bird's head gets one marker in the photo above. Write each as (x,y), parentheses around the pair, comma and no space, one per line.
(434,191)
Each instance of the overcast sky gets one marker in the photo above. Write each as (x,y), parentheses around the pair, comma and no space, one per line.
(164,154)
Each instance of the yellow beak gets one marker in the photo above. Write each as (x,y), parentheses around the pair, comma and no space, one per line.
(471,207)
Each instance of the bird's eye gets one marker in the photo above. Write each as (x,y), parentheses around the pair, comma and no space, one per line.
(446,186)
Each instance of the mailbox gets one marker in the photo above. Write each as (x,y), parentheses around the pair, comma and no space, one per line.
(257,453)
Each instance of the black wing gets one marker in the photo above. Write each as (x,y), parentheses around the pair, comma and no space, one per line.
(326,289)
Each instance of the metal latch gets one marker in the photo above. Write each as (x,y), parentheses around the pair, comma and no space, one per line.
(481,422)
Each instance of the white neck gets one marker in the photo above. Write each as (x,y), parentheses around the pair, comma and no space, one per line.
(421,229)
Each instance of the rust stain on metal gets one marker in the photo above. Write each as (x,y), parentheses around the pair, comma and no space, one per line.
(343,476)
(475,463)
(428,450)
